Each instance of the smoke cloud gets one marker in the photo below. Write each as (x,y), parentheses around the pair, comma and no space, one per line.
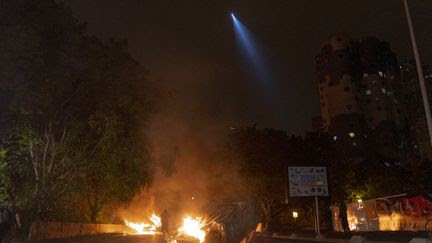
(188,135)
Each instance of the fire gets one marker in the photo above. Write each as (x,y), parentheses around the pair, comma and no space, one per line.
(193,227)
(146,228)
(156,220)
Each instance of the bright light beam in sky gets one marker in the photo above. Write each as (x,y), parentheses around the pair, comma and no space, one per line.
(251,50)
(258,69)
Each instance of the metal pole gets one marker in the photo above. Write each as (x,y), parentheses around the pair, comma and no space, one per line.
(314,219)
(286,184)
(419,72)
(317,216)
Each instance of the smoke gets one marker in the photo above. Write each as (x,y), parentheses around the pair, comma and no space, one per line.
(188,136)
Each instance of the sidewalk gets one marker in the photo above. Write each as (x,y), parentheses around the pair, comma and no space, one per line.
(323,239)
(369,237)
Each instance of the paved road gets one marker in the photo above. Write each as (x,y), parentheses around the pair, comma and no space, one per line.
(117,238)
(108,238)
(143,239)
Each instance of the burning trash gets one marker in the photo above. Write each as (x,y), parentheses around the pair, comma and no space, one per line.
(229,221)
(146,228)
(193,227)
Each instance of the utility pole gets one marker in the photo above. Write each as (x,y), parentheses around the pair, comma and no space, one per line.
(419,72)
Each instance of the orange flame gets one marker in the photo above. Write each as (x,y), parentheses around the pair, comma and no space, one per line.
(146,228)
(193,227)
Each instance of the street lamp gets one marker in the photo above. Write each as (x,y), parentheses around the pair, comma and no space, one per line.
(419,72)
(295,214)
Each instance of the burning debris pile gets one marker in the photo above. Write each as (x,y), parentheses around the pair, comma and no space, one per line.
(225,221)
(146,228)
(193,227)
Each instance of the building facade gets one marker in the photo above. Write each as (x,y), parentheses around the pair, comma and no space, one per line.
(359,85)
(416,119)
(368,99)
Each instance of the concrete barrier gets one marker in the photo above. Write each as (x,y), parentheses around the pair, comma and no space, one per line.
(420,240)
(49,230)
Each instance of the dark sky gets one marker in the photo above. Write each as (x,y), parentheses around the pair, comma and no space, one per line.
(190,46)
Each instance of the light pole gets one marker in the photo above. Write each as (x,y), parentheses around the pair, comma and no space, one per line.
(286,183)
(419,72)
(318,184)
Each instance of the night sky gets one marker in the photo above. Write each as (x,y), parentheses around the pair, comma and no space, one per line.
(189,45)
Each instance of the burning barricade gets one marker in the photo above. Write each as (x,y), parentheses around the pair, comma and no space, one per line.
(227,221)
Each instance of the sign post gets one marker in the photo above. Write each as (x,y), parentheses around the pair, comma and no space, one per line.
(307,182)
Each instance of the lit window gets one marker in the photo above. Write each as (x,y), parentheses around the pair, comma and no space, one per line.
(383,90)
(365,75)
(368,92)
(334,138)
(351,134)
(381,73)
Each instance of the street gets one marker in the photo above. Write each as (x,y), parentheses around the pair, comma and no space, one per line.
(331,237)
(116,238)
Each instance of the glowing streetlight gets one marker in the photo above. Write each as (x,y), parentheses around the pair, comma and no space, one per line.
(295,214)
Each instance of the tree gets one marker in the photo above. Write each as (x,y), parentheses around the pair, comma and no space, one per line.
(262,157)
(72,111)
(119,166)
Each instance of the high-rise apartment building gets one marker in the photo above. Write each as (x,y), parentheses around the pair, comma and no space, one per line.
(416,119)
(368,98)
(358,86)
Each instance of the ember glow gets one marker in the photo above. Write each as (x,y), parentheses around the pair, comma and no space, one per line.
(146,228)
(193,227)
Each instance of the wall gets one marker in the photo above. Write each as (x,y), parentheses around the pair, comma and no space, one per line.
(46,230)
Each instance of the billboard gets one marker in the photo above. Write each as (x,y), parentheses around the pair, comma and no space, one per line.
(307,181)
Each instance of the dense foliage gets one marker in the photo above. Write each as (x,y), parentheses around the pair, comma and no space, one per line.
(71,116)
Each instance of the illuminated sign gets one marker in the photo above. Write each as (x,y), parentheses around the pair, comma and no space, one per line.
(307,181)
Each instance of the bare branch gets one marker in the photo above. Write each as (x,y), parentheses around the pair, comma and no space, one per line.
(63,135)
(53,154)
(34,160)
(47,143)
